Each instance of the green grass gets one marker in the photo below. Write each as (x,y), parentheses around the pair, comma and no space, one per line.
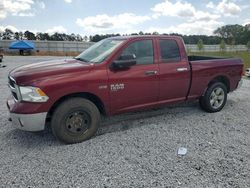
(245,56)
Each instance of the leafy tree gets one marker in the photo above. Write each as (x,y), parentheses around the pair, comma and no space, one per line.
(85,38)
(29,35)
(16,36)
(42,36)
(20,35)
(222,45)
(96,38)
(200,45)
(57,37)
(234,34)
(79,37)
(90,38)
(7,34)
(141,33)
(231,34)
(248,45)
(232,44)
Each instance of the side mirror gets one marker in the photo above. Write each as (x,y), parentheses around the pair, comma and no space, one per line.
(124,61)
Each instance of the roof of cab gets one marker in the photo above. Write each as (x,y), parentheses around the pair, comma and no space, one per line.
(145,36)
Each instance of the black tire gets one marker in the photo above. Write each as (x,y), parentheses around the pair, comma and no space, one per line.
(208,101)
(75,120)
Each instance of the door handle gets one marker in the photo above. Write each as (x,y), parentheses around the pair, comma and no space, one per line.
(182,69)
(148,73)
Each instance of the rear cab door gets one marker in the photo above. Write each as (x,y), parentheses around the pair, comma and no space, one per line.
(175,73)
(137,86)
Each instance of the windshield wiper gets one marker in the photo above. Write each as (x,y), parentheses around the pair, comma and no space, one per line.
(81,59)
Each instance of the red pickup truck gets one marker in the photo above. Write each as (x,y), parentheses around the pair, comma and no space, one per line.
(113,76)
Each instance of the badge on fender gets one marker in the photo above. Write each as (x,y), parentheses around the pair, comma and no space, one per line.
(116,87)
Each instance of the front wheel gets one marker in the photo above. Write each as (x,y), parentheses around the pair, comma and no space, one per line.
(215,97)
(75,120)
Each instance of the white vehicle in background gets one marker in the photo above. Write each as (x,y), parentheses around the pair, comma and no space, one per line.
(247,73)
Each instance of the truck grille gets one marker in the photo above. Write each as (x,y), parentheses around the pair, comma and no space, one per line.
(12,85)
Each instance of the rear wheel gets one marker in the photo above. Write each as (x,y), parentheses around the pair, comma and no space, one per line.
(75,120)
(215,97)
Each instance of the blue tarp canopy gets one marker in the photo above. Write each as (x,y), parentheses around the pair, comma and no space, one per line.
(22,45)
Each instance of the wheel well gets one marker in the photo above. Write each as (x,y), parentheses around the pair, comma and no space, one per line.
(222,79)
(93,98)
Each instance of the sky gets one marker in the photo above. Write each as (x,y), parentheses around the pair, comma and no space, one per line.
(90,17)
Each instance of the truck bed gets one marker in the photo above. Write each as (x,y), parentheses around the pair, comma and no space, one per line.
(204,69)
(201,58)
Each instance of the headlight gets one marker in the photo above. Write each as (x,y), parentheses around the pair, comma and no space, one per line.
(32,94)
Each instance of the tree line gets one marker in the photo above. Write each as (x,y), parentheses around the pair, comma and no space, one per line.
(8,34)
(228,34)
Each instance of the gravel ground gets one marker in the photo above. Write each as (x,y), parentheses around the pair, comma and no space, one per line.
(133,150)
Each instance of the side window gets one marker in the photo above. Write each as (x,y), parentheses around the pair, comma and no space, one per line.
(143,51)
(169,50)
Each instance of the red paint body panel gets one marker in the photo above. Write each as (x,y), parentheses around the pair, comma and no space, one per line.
(205,71)
(64,77)
(139,89)
(174,85)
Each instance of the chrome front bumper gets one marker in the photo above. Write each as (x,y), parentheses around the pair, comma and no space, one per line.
(29,122)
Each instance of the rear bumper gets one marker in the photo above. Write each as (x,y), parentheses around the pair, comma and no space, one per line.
(29,122)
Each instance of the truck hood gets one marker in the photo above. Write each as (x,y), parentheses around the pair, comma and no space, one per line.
(37,71)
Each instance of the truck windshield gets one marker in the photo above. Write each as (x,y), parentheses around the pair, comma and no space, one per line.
(99,51)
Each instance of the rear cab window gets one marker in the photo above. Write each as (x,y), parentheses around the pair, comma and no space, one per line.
(169,51)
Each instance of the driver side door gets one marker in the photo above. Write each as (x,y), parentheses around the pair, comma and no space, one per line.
(137,86)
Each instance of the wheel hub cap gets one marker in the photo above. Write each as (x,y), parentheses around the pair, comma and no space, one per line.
(77,122)
(217,98)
